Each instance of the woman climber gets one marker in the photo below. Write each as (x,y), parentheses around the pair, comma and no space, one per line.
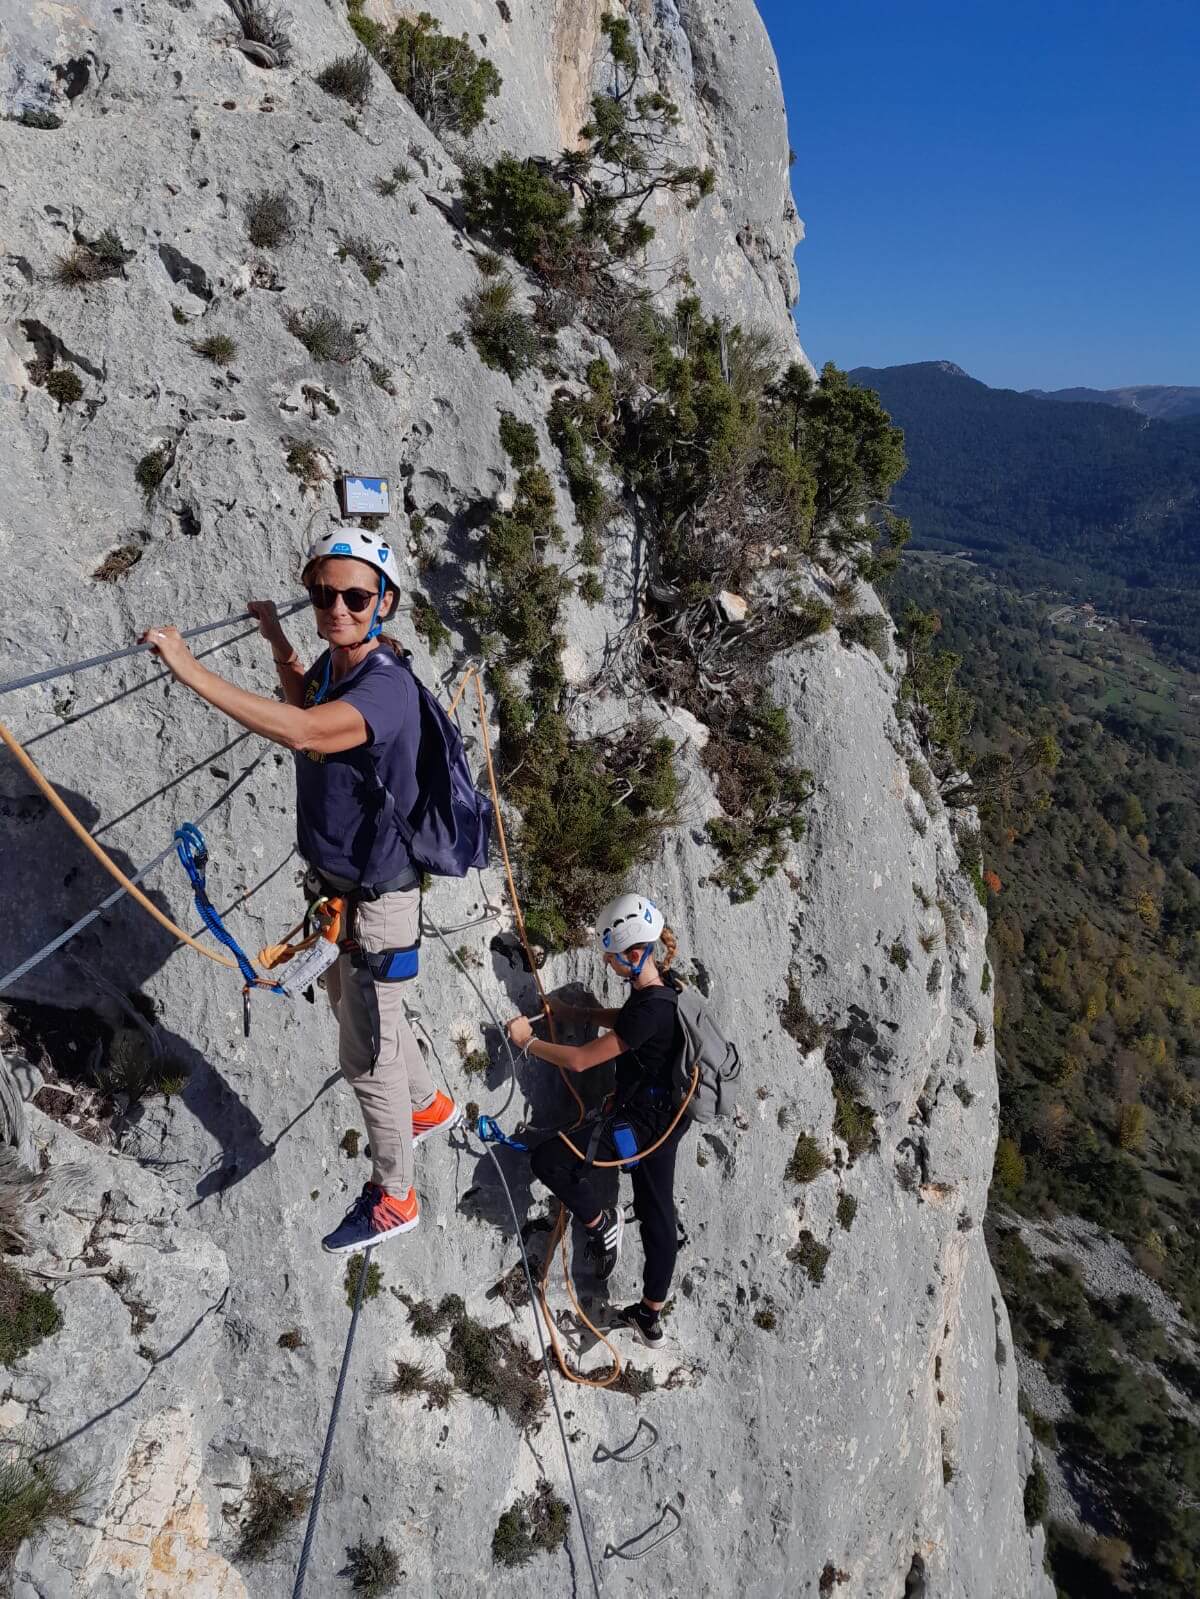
(357,705)
(642,1042)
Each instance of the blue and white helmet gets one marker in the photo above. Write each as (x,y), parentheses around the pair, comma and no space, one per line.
(627,920)
(356,544)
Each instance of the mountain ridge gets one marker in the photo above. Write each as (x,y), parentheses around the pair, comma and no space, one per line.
(1091,498)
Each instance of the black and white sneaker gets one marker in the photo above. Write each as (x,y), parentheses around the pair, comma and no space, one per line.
(645,1323)
(604,1243)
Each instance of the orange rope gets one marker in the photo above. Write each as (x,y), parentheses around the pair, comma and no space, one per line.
(106,860)
(558,1237)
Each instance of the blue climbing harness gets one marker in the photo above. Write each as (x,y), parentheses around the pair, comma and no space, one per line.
(193,856)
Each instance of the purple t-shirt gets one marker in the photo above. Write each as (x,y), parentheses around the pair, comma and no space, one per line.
(335,804)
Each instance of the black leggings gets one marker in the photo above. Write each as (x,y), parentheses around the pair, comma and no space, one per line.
(653,1193)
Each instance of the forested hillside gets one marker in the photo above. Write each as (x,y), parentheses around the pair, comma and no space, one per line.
(1093,501)
(1084,753)
(1166,402)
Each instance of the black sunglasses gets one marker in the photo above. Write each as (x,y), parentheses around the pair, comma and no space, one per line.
(324,597)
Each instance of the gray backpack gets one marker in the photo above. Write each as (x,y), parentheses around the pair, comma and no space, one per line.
(702,1044)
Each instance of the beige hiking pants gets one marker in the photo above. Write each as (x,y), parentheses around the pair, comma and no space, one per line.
(392,1083)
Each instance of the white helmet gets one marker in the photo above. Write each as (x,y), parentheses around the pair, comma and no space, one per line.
(359,545)
(629,919)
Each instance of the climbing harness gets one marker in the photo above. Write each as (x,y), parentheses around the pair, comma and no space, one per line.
(193,855)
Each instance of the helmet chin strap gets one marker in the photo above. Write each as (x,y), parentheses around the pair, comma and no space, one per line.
(376,627)
(633,970)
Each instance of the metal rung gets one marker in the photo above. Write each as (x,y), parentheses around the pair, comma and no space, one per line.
(621,1454)
(625,1551)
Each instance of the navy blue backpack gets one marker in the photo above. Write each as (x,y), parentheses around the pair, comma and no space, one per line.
(449,831)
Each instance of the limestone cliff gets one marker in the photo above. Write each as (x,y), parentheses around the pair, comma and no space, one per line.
(860,1439)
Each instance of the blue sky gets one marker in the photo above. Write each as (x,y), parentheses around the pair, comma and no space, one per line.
(1015,187)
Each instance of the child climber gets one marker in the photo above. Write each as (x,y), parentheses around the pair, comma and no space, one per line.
(641,1041)
(356,704)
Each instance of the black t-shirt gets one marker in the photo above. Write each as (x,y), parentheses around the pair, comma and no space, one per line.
(647,1024)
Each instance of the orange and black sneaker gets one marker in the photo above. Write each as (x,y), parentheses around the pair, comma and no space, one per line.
(439,1116)
(373,1218)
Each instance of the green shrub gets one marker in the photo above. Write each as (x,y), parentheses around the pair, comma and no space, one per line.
(487,1363)
(324,335)
(536,1524)
(354,1271)
(477,1063)
(619,164)
(27,1315)
(409,1379)
(351,1140)
(36,117)
(268,216)
(216,347)
(373,1567)
(899,956)
(807,1161)
(593,504)
(269,1508)
(33,1493)
(365,256)
(766,1319)
(400,174)
(811,1255)
(348,78)
(847,1209)
(303,460)
(867,628)
(525,209)
(853,1122)
(90,262)
(797,1020)
(293,1338)
(1009,1167)
(428,623)
(64,385)
(592,810)
(519,441)
(985,981)
(1037,1495)
(503,335)
(151,469)
(923,781)
(591,589)
(448,84)
(763,794)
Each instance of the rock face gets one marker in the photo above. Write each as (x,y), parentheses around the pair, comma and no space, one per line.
(861,1436)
